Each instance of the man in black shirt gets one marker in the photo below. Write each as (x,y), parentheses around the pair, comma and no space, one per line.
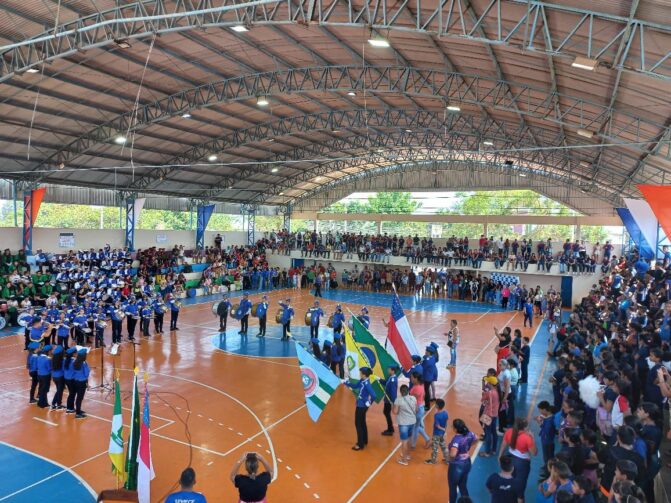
(502,486)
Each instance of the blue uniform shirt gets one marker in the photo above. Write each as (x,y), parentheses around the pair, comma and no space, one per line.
(57,372)
(43,365)
(337,353)
(82,374)
(245,306)
(32,363)
(36,333)
(365,396)
(68,368)
(315,314)
(429,369)
(287,313)
(390,389)
(261,310)
(185,497)
(440,420)
(338,320)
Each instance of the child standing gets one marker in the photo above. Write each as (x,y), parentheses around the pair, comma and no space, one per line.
(453,337)
(31,365)
(438,436)
(545,420)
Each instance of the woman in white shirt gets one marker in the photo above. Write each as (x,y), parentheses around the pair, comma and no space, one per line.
(405,408)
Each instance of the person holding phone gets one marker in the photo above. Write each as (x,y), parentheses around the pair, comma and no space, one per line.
(253,486)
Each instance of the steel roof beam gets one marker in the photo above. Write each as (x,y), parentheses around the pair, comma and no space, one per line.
(504,23)
(436,84)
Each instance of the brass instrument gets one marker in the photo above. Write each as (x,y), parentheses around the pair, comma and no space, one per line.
(164,308)
(308,318)
(254,308)
(329,323)
(234,310)
(278,316)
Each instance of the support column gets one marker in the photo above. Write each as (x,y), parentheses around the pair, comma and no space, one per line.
(379,227)
(578,232)
(130,222)
(662,241)
(28,222)
(250,220)
(485,228)
(286,223)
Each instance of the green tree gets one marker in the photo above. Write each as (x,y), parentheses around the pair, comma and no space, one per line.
(393,202)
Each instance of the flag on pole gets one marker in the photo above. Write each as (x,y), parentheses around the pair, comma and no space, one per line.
(116,435)
(133,438)
(400,335)
(379,360)
(355,359)
(319,383)
(145,468)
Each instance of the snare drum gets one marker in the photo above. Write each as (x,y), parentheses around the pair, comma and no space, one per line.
(235,311)
(254,308)
(215,306)
(329,323)
(278,316)
(308,318)
(24,319)
(86,330)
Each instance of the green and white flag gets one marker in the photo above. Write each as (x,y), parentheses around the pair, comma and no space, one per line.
(116,435)
(319,383)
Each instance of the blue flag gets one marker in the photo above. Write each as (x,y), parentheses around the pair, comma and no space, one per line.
(319,383)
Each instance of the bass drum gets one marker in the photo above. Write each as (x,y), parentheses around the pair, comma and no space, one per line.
(3,322)
(254,308)
(24,319)
(329,323)
(308,318)
(278,316)
(235,311)
(215,306)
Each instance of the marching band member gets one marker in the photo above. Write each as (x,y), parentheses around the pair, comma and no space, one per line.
(416,368)
(363,401)
(132,315)
(174,312)
(338,356)
(145,316)
(36,330)
(68,377)
(287,314)
(57,376)
(222,311)
(316,350)
(115,313)
(63,330)
(326,353)
(158,307)
(99,324)
(245,309)
(262,315)
(81,378)
(316,313)
(338,320)
(80,322)
(31,365)
(43,376)
(364,318)
(390,394)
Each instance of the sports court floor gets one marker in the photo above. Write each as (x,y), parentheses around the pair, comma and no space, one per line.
(216,396)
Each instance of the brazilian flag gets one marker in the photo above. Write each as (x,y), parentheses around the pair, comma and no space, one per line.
(378,358)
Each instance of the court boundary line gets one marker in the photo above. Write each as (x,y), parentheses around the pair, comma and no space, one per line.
(64,469)
(450,386)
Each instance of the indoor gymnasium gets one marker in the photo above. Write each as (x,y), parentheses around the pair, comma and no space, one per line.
(335,250)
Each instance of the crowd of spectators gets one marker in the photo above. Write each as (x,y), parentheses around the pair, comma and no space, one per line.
(574,257)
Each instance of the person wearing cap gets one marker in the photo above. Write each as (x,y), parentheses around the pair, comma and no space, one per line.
(416,367)
(62,330)
(390,393)
(316,351)
(245,309)
(146,314)
(338,356)
(287,314)
(31,365)
(80,321)
(57,376)
(157,308)
(68,378)
(364,318)
(429,373)
(262,315)
(222,311)
(338,320)
(318,284)
(43,376)
(81,379)
(132,313)
(316,313)
(325,356)
(37,331)
(115,311)
(363,402)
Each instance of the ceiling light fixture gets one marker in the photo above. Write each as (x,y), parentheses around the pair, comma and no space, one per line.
(32,70)
(584,63)
(454,108)
(281,193)
(120,140)
(585,164)
(318,178)
(378,42)
(274,170)
(230,186)
(212,157)
(122,43)
(186,115)
(351,93)
(262,101)
(523,175)
(489,143)
(239,28)
(408,130)
(585,133)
